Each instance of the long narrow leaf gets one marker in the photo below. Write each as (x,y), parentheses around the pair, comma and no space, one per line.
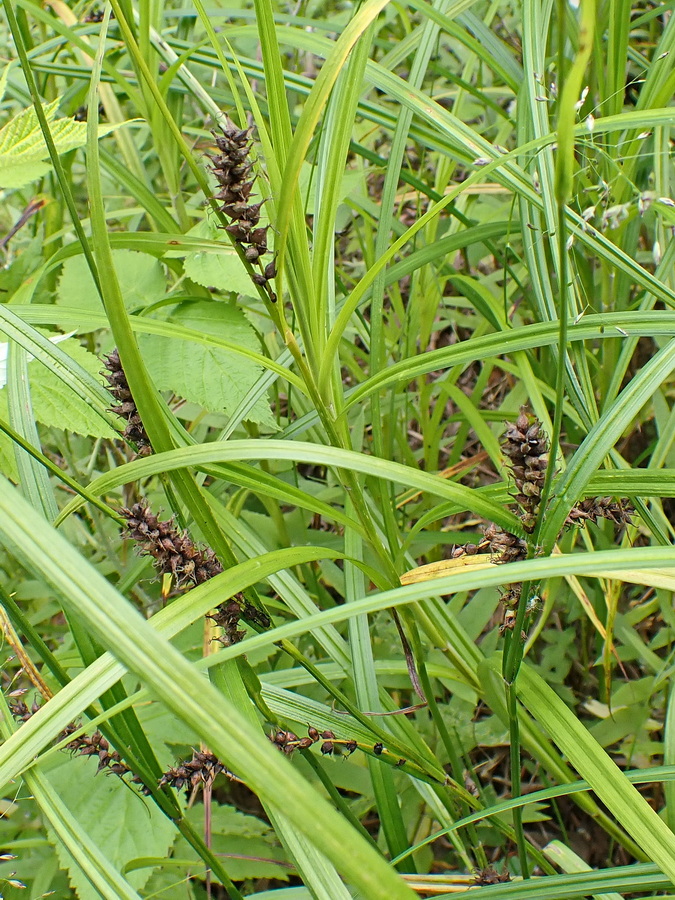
(138,646)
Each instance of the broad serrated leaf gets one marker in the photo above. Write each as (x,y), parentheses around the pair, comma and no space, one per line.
(56,406)
(22,136)
(141,277)
(165,731)
(222,269)
(119,821)
(23,151)
(246,845)
(209,376)
(167,884)
(7,459)
(16,175)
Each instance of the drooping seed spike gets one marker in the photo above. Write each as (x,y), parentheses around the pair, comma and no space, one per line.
(232,169)
(118,386)
(173,551)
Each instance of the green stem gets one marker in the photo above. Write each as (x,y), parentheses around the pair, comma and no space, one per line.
(513,657)
(569,92)
(58,472)
(563,269)
(213,863)
(514,764)
(350,481)
(335,796)
(17,34)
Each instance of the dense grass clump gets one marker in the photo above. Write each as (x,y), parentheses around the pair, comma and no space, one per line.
(337,434)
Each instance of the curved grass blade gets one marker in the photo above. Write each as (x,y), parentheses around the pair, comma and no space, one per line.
(601,439)
(58,362)
(312,110)
(90,321)
(33,478)
(18,751)
(164,670)
(659,774)
(76,841)
(623,879)
(599,770)
(526,337)
(297,451)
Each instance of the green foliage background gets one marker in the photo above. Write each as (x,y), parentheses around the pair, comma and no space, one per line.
(471,209)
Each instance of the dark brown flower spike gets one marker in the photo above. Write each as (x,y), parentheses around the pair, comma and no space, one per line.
(504,546)
(489,875)
(96,15)
(126,406)
(95,745)
(174,551)
(288,742)
(233,173)
(526,447)
(201,770)
(176,554)
(593,508)
(21,711)
(227,616)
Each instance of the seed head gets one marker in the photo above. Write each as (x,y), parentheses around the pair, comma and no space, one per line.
(126,406)
(525,446)
(489,875)
(232,169)
(174,551)
(21,711)
(202,769)
(594,508)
